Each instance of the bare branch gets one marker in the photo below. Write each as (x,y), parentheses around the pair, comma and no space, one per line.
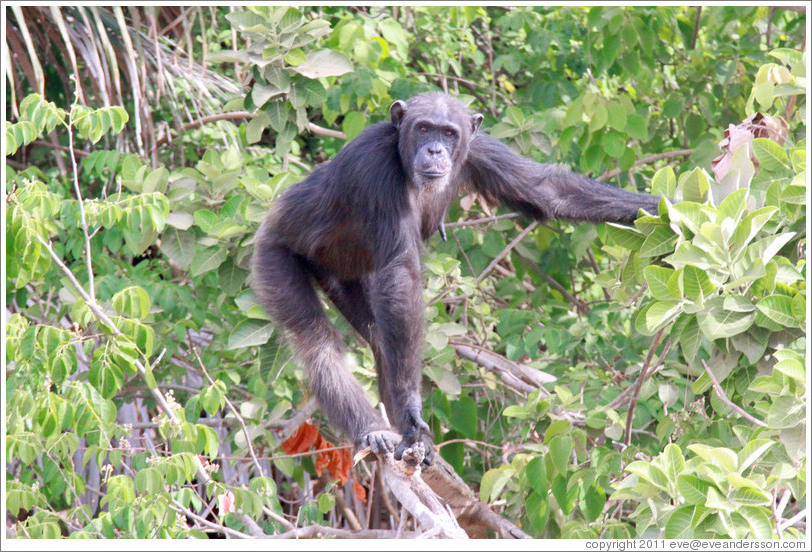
(239,115)
(506,250)
(644,373)
(723,397)
(646,160)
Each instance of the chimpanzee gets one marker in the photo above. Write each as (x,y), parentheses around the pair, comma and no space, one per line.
(355,227)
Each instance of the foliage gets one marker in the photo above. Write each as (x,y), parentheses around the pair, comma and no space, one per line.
(148,395)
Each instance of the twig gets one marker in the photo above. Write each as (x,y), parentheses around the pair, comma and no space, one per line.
(645,160)
(181,509)
(236,415)
(696,27)
(793,520)
(319,531)
(292,424)
(723,397)
(517,376)
(581,306)
(484,220)
(238,115)
(506,250)
(348,514)
(639,384)
(88,258)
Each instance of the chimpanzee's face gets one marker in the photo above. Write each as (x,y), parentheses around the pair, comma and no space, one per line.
(433,138)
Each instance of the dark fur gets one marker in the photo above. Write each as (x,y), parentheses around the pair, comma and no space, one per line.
(355,227)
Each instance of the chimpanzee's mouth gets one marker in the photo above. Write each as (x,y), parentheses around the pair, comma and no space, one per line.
(433,174)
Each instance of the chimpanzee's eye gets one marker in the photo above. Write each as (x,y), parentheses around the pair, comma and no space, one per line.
(423,129)
(449,133)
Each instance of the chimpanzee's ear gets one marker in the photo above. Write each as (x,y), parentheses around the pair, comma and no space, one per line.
(476,120)
(397,111)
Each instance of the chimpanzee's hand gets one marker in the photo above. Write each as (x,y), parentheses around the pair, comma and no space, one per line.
(416,432)
(380,441)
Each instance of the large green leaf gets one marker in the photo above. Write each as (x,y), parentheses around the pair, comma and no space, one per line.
(678,525)
(718,322)
(248,333)
(324,63)
(778,308)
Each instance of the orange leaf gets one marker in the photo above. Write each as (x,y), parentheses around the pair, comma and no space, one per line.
(360,491)
(305,437)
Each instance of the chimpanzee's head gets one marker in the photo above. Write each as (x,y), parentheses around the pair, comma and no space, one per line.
(435,131)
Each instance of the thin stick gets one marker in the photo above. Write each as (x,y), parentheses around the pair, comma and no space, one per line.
(506,250)
(645,160)
(723,397)
(236,415)
(181,509)
(794,519)
(643,374)
(88,259)
(484,220)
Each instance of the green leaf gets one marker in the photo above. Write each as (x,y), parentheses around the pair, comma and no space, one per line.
(207,258)
(673,462)
(693,488)
(650,473)
(518,411)
(538,510)
(179,246)
(717,322)
(629,238)
(661,313)
(564,494)
(249,333)
(133,301)
(664,182)
(689,215)
(561,452)
(324,63)
(690,339)
(592,504)
(636,127)
(536,473)
(353,124)
(746,496)
(327,502)
(493,481)
(657,278)
(678,525)
(463,417)
(770,155)
(597,117)
(793,368)
(778,308)
(694,186)
(149,481)
(758,521)
(785,412)
(696,283)
(750,226)
(659,242)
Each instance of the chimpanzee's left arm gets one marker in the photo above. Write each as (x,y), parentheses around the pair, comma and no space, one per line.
(545,191)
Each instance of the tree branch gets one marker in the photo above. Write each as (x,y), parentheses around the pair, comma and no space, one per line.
(723,397)
(506,250)
(239,115)
(645,160)
(639,384)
